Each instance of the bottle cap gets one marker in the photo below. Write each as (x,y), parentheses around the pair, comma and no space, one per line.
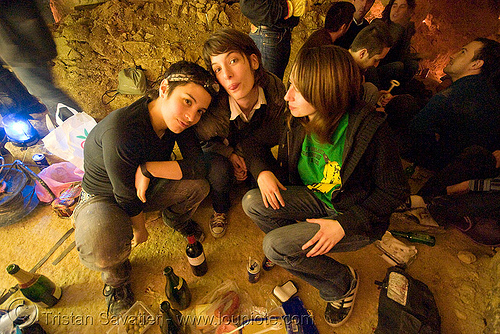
(165,306)
(191,239)
(12,268)
(167,270)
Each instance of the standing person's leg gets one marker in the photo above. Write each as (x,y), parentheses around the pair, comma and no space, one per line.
(275,46)
(39,82)
(178,200)
(103,234)
(220,176)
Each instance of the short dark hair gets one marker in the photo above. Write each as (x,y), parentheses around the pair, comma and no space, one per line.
(374,38)
(490,55)
(386,13)
(183,72)
(232,40)
(340,13)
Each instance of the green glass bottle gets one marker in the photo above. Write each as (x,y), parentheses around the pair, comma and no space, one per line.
(171,321)
(419,237)
(36,287)
(176,289)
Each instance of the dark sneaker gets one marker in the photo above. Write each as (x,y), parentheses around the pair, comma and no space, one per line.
(192,228)
(338,311)
(267,264)
(218,224)
(118,299)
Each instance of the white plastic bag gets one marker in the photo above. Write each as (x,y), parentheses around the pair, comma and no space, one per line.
(66,141)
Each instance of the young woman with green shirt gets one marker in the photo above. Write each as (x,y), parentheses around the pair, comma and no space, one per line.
(341,179)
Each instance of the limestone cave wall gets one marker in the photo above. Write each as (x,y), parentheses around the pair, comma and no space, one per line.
(95,43)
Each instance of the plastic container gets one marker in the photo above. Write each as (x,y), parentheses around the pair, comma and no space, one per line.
(138,319)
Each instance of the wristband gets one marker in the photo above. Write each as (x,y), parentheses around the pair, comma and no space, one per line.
(145,171)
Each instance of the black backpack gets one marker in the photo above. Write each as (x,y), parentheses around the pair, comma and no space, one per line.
(406,306)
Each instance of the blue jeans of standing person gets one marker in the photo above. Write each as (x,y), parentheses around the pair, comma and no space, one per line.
(286,231)
(39,82)
(221,177)
(274,45)
(103,231)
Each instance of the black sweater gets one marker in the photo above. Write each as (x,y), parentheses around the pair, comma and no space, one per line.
(122,141)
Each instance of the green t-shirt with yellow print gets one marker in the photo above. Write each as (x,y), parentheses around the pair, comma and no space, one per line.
(319,163)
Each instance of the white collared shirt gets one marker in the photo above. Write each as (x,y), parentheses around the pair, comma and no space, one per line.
(236,110)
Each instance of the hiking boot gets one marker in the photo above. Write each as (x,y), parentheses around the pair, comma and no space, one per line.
(192,228)
(118,299)
(338,311)
(267,264)
(218,224)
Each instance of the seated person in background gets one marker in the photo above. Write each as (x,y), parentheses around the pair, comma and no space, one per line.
(337,21)
(399,64)
(369,47)
(358,23)
(465,114)
(342,174)
(245,124)
(129,148)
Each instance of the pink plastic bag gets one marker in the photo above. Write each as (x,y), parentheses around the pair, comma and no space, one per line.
(58,177)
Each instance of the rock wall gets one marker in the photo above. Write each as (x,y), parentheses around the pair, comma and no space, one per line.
(94,44)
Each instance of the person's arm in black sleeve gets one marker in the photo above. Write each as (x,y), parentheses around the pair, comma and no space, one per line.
(120,161)
(192,163)
(390,187)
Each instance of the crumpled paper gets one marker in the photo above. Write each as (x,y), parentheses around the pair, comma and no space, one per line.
(395,251)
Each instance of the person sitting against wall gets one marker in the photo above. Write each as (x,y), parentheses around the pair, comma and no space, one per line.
(341,178)
(246,122)
(359,22)
(337,22)
(131,148)
(400,63)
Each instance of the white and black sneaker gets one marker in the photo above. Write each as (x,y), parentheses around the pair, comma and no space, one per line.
(337,312)
(218,224)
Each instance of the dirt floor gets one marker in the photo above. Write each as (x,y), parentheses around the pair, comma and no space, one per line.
(462,291)
(95,44)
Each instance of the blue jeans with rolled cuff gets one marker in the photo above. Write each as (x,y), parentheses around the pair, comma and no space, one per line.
(287,231)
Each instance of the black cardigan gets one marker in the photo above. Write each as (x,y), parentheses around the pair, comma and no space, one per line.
(373,181)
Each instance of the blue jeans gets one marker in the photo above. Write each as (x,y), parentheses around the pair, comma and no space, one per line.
(103,231)
(274,45)
(286,232)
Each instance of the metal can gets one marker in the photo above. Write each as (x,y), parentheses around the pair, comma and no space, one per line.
(40,160)
(253,269)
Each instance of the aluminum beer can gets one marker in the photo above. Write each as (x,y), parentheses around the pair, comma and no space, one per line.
(253,269)
(40,160)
